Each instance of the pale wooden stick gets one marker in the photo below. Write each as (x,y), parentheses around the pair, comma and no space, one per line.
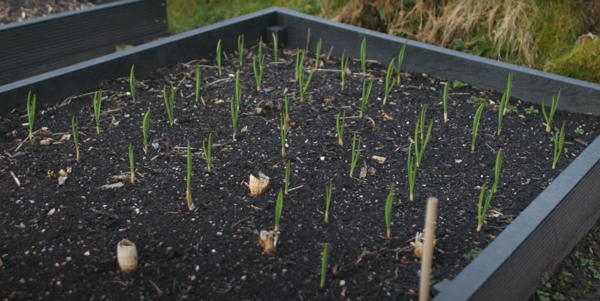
(430,218)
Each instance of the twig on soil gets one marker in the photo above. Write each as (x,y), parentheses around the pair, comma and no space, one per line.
(158,291)
(12,174)
(292,189)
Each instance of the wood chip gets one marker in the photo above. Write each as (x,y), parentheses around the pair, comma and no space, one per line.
(114,185)
(379,159)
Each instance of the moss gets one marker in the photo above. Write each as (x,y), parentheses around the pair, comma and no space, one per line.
(581,62)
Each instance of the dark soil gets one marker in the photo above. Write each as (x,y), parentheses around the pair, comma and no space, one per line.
(59,241)
(12,11)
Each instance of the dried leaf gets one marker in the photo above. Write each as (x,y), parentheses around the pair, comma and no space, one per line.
(268,242)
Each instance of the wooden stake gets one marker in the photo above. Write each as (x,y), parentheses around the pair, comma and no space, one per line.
(426,260)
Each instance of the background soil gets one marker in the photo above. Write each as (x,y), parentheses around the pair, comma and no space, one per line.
(59,241)
(20,10)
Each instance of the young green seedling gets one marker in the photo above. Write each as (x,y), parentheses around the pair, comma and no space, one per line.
(283,134)
(97,106)
(131,166)
(355,154)
(363,56)
(241,48)
(344,67)
(207,148)
(504,102)
(421,143)
(31,114)
(198,82)
(218,58)
(169,103)
(286,180)
(389,81)
(286,107)
(482,207)
(476,124)
(324,260)
(412,171)
(235,104)
(548,117)
(278,209)
(497,170)
(445,102)
(132,83)
(145,125)
(339,127)
(188,191)
(300,54)
(318,53)
(388,213)
(559,142)
(275,47)
(328,192)
(258,71)
(365,96)
(75,129)
(399,64)
(302,84)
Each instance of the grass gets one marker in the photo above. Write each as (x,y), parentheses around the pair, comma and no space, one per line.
(258,71)
(328,193)
(188,191)
(240,45)
(169,103)
(318,53)
(445,101)
(366,92)
(389,82)
(355,154)
(412,172)
(304,85)
(275,48)
(199,81)
(549,116)
(97,104)
(218,58)
(497,169)
(283,134)
(363,56)
(286,107)
(132,83)
(559,142)
(344,66)
(399,64)
(286,180)
(476,124)
(31,113)
(300,54)
(340,123)
(324,260)
(145,126)
(420,138)
(388,213)
(207,149)
(278,209)
(131,166)
(75,131)
(504,102)
(234,105)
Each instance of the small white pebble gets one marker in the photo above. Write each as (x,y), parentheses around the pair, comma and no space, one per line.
(219,233)
(69,258)
(342,282)
(87,253)
(213,251)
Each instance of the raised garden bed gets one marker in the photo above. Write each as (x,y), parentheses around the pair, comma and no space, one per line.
(171,250)
(44,44)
